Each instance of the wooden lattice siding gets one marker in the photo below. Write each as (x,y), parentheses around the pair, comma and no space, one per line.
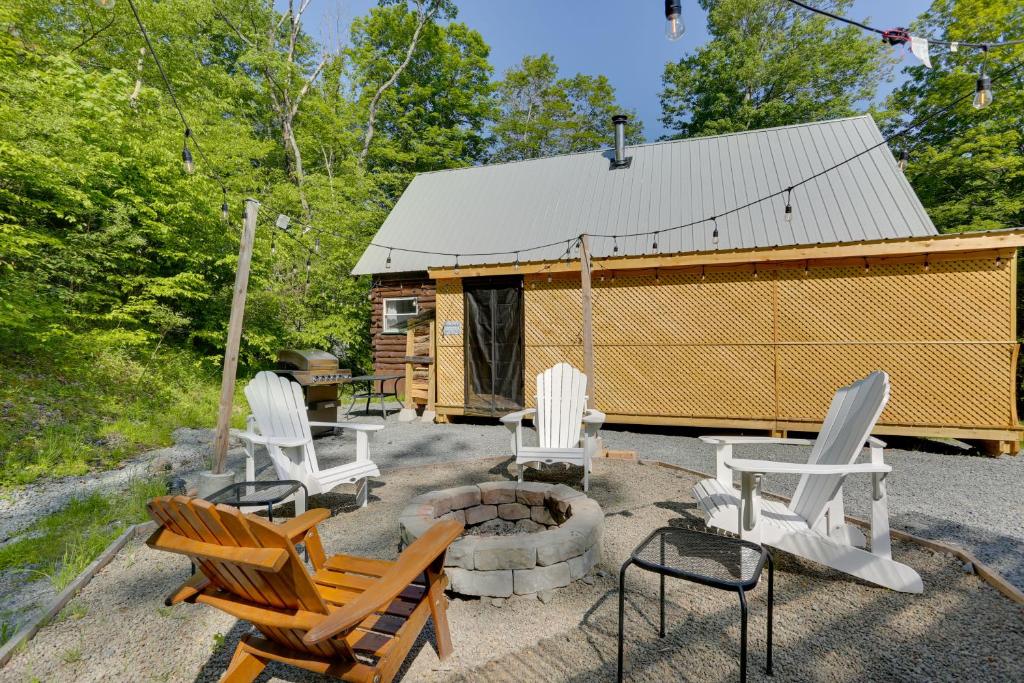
(765,345)
(451,370)
(769,346)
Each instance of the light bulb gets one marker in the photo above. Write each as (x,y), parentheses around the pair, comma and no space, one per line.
(186,158)
(983,95)
(106,4)
(789,213)
(224,212)
(904,160)
(674,27)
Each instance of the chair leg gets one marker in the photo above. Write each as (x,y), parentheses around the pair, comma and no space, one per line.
(771,604)
(439,610)
(244,667)
(622,619)
(362,492)
(743,636)
(661,631)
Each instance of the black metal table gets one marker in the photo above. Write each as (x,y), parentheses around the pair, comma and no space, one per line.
(371,394)
(722,562)
(252,493)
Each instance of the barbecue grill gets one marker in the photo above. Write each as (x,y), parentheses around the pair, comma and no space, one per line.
(319,375)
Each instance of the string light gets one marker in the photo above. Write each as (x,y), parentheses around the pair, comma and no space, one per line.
(674,26)
(904,160)
(702,274)
(927,263)
(186,155)
(714,233)
(387,263)
(657,275)
(549,278)
(307,270)
(615,245)
(224,214)
(316,246)
(517,261)
(789,205)
(455,270)
(273,246)
(983,88)
(654,245)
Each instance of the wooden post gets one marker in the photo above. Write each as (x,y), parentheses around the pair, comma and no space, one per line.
(588,323)
(227,383)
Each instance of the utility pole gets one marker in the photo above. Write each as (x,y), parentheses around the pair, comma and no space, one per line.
(227,384)
(588,322)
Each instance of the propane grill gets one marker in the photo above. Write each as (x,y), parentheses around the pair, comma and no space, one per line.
(319,375)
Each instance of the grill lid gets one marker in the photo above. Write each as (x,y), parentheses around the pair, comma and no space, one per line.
(306,359)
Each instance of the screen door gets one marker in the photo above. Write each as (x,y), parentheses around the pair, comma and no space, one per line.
(494,345)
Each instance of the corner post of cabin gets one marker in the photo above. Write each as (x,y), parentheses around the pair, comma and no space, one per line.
(588,323)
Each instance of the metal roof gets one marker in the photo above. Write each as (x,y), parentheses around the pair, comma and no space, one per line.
(518,205)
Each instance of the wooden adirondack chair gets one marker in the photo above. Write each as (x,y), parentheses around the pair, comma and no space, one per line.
(279,422)
(814,525)
(566,428)
(353,618)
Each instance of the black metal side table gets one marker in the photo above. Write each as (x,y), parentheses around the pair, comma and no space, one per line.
(251,493)
(722,562)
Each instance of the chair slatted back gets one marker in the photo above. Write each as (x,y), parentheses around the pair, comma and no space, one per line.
(851,417)
(288,588)
(280,410)
(561,400)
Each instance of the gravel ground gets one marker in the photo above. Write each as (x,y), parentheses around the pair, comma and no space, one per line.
(829,627)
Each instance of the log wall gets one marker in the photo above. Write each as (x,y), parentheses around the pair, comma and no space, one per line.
(389,349)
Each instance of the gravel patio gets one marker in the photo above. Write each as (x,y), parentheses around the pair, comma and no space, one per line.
(828,626)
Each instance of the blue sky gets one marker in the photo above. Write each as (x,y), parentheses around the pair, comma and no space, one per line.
(622,39)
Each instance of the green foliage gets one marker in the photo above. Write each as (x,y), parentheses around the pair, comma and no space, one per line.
(61,545)
(770,63)
(967,166)
(541,114)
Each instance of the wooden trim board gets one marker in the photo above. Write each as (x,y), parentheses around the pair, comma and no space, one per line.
(933,244)
(29,630)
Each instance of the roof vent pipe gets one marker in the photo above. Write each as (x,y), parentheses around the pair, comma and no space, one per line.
(620,160)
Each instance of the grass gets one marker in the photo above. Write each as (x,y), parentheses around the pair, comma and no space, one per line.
(68,412)
(62,544)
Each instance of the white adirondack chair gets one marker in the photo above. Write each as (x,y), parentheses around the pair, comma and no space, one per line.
(566,428)
(814,526)
(279,422)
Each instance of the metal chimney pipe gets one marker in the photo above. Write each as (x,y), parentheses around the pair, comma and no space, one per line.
(620,160)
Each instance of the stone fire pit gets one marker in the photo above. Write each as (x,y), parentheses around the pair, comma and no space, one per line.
(520,538)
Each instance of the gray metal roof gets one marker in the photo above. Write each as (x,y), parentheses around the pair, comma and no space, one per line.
(517,205)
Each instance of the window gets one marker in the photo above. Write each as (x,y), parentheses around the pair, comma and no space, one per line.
(397,311)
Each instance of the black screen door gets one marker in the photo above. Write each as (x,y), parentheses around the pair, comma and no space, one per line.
(494,345)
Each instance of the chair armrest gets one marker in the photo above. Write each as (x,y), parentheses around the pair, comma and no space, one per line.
(409,566)
(771,467)
(356,427)
(280,441)
(298,526)
(515,418)
(877,443)
(734,440)
(593,417)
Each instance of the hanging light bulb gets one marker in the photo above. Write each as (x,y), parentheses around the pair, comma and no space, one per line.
(186,155)
(904,160)
(549,278)
(789,205)
(714,233)
(983,93)
(456,268)
(674,27)
(307,270)
(273,246)
(517,261)
(387,262)
(316,246)
(224,206)
(654,245)
(106,4)
(615,245)
(983,89)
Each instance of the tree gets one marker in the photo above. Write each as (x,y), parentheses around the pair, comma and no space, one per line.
(423,90)
(770,63)
(540,114)
(967,166)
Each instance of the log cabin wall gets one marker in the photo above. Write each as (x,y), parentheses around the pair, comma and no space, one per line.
(389,349)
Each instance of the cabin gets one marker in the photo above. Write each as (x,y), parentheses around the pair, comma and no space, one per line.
(709,307)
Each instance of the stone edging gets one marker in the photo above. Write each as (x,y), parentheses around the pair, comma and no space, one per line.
(984,572)
(26,632)
(498,566)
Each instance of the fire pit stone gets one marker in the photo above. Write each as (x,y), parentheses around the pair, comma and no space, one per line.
(522,538)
